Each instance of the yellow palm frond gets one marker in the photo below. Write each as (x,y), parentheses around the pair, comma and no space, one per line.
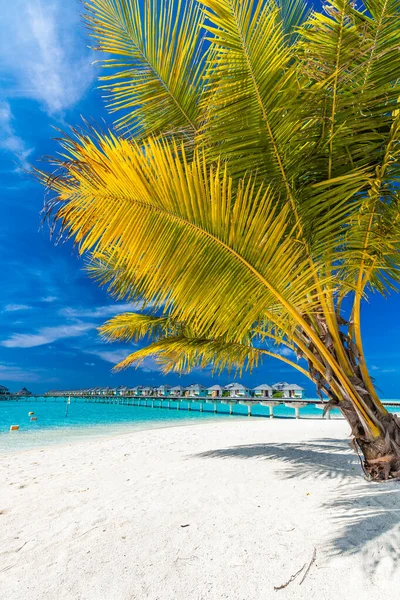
(181,354)
(129,327)
(148,206)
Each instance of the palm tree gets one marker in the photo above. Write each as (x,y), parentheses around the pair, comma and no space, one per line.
(248,196)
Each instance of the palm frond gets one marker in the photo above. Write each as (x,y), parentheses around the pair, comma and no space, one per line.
(181,354)
(155,79)
(251,87)
(293,14)
(192,242)
(129,327)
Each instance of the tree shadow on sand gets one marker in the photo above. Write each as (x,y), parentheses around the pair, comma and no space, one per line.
(366,516)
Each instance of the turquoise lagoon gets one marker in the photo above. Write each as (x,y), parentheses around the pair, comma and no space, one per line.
(59,422)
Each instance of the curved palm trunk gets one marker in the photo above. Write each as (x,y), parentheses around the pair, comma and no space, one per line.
(381,455)
(376,432)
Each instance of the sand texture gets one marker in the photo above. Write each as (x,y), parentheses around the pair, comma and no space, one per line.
(223,510)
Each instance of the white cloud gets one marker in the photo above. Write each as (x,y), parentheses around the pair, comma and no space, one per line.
(90,364)
(283,351)
(15,307)
(149,365)
(9,140)
(111,356)
(10,372)
(99,311)
(46,335)
(48,299)
(385,369)
(43,53)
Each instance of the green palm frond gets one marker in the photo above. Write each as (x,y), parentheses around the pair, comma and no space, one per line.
(156,68)
(353,92)
(293,14)
(252,87)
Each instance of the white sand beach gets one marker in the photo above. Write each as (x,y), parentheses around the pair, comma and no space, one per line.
(223,510)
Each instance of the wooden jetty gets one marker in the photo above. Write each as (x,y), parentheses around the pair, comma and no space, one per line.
(201,404)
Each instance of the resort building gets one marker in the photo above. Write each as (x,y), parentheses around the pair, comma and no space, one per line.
(162,390)
(107,391)
(146,391)
(177,391)
(196,390)
(237,390)
(122,390)
(281,389)
(215,391)
(135,391)
(263,391)
(289,390)
(24,392)
(4,391)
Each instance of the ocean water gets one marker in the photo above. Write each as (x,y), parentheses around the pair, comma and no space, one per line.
(58,422)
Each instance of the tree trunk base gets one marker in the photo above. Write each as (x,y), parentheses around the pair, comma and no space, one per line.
(381,455)
(383,468)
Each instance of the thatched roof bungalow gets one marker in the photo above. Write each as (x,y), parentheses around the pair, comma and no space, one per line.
(24,392)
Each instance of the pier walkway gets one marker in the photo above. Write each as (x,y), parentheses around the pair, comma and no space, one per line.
(185,402)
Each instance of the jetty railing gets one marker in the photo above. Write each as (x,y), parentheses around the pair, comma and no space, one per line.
(198,403)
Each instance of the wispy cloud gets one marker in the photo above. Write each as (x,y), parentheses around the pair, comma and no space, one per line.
(87,364)
(46,335)
(111,356)
(149,365)
(43,53)
(15,307)
(282,351)
(48,298)
(385,369)
(99,311)
(11,372)
(9,140)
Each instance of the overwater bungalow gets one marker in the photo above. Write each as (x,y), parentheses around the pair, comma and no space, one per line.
(106,391)
(122,390)
(177,391)
(162,390)
(215,391)
(263,391)
(289,390)
(196,390)
(147,391)
(135,391)
(4,391)
(24,392)
(237,390)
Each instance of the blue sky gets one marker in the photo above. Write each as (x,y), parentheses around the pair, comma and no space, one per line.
(49,309)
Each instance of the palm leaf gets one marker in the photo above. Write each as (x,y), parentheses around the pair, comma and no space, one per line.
(129,327)
(184,234)
(181,354)
(251,87)
(156,75)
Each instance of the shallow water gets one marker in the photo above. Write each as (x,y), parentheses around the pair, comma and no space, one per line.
(59,422)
